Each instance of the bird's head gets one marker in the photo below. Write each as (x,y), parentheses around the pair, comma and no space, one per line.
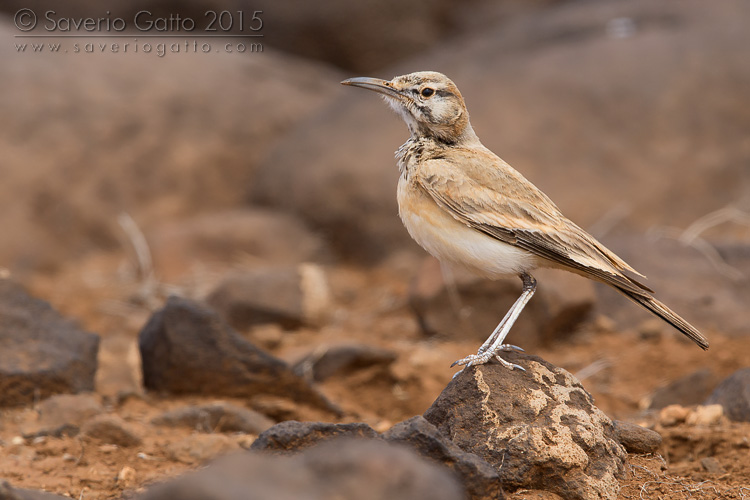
(429,102)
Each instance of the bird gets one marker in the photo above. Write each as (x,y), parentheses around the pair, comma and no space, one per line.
(468,208)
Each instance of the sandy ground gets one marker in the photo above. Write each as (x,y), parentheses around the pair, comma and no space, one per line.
(620,368)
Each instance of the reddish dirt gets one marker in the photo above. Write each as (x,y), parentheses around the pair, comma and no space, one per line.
(370,306)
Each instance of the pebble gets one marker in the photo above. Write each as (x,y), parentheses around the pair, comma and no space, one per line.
(672,415)
(705,415)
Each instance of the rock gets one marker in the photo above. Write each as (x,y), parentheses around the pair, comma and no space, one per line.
(219,417)
(554,66)
(404,475)
(331,360)
(200,448)
(534,495)
(705,415)
(733,393)
(712,466)
(636,439)
(292,436)
(126,477)
(673,415)
(63,415)
(41,353)
(479,478)
(686,279)
(265,236)
(289,296)
(471,307)
(111,429)
(341,469)
(539,428)
(7,492)
(692,389)
(349,37)
(187,349)
(99,106)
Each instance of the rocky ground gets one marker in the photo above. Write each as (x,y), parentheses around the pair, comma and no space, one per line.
(188,270)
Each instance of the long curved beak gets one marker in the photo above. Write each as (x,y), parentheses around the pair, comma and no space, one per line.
(375,84)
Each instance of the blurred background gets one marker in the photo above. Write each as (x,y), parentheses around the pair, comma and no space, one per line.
(135,166)
(229,166)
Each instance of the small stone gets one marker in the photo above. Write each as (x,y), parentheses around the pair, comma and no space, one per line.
(17,440)
(219,417)
(733,393)
(292,436)
(126,477)
(705,415)
(111,429)
(637,439)
(712,466)
(672,415)
(63,414)
(328,361)
(200,448)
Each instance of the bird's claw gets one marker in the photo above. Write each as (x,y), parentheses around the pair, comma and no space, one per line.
(483,357)
(504,347)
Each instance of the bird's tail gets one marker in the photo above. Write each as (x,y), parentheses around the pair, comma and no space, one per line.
(665,313)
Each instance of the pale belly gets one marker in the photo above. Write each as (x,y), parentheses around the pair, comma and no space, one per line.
(454,243)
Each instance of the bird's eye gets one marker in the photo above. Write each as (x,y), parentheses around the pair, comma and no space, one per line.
(427,92)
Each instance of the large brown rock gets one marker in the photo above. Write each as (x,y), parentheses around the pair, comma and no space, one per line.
(539,428)
(187,349)
(733,394)
(254,235)
(457,306)
(342,469)
(690,280)
(41,353)
(555,95)
(158,137)
(351,34)
(290,296)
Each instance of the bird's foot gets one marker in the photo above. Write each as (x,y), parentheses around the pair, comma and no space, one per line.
(483,357)
(502,347)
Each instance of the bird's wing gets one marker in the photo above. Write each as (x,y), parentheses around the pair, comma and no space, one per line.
(483,192)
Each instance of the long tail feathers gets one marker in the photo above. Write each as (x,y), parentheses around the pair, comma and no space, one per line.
(665,313)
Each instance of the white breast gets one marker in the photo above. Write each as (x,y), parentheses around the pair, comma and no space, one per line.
(452,242)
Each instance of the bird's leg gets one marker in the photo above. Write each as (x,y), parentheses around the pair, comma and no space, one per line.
(494,344)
